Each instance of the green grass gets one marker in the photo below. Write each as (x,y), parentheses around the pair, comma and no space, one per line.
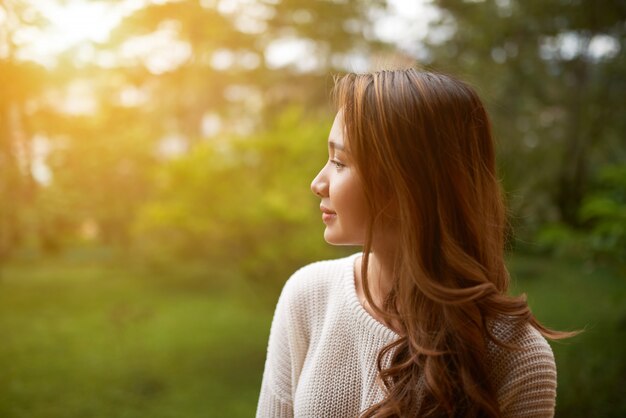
(90,340)
(569,295)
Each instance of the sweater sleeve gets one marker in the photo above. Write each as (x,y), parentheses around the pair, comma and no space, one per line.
(526,378)
(275,400)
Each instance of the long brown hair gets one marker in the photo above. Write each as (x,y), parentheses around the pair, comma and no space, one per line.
(422,145)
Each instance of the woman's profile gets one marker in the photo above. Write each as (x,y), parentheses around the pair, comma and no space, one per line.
(419,323)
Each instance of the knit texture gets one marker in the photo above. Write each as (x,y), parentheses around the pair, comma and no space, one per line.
(323,346)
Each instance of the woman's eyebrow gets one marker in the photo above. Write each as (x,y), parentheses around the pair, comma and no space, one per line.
(334,145)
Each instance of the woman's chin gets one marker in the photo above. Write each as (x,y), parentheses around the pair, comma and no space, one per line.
(336,239)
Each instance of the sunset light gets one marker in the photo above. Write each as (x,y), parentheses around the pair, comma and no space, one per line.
(70,24)
(79,21)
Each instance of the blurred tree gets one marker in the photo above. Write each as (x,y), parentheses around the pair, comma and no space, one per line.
(206,77)
(229,49)
(605,211)
(103,170)
(242,203)
(173,75)
(553,72)
(21,82)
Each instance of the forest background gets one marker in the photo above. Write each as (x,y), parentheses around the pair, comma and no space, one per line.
(155,161)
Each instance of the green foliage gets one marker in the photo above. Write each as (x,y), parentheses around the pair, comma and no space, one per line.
(605,211)
(561,240)
(556,100)
(102,175)
(557,104)
(101,157)
(243,202)
(602,236)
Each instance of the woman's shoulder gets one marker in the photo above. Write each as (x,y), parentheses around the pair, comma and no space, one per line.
(524,376)
(518,333)
(529,347)
(310,292)
(315,282)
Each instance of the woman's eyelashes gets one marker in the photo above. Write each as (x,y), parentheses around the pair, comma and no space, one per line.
(338,165)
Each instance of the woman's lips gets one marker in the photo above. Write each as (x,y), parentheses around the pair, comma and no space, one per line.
(327,214)
(327,217)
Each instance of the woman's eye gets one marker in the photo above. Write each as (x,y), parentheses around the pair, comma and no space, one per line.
(337,164)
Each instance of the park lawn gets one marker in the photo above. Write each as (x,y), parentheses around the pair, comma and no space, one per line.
(91,340)
(95,341)
(573,295)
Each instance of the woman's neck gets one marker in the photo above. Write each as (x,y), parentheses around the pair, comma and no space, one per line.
(379,282)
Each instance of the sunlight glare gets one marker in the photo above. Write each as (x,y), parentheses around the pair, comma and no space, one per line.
(77,21)
(72,23)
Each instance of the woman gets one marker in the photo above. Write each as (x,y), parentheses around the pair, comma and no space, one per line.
(419,323)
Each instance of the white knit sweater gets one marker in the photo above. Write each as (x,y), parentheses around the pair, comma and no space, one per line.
(323,345)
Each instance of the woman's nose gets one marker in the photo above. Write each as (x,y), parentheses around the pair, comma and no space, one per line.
(319,185)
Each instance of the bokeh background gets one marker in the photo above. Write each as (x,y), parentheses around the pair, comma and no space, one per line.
(155,160)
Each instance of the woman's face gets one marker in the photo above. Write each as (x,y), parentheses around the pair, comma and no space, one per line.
(344,208)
